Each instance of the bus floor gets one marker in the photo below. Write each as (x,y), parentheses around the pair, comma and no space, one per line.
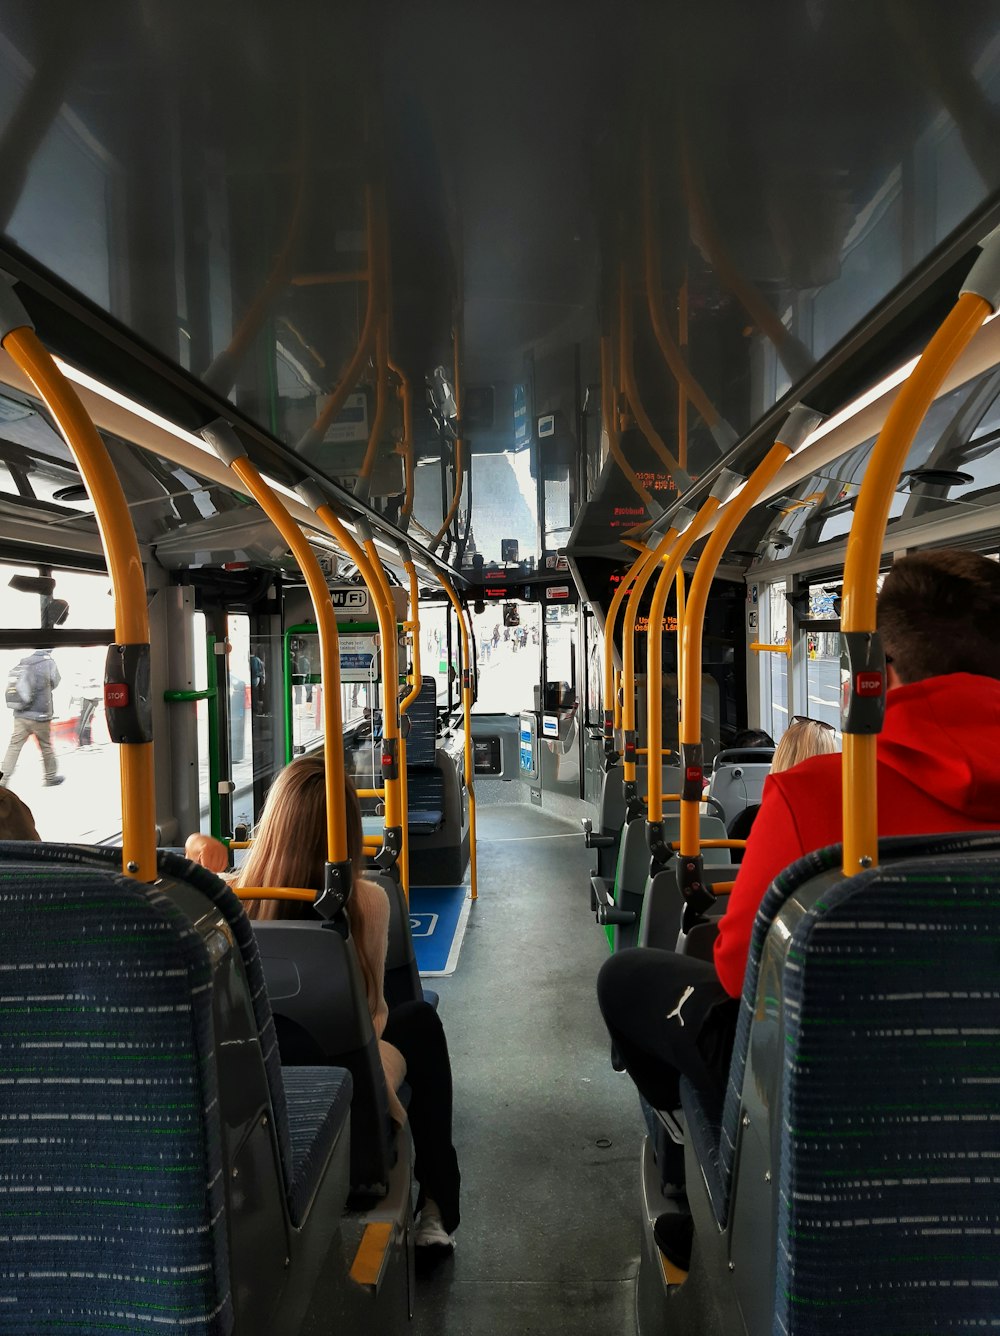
(548,1135)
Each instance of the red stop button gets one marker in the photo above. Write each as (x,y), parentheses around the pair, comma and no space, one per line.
(116,695)
(693,774)
(867,684)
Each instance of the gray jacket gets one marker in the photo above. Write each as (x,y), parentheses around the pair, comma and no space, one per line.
(44,676)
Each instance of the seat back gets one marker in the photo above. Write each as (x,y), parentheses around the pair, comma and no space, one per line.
(402,978)
(738,784)
(855,1116)
(421,740)
(904,957)
(111,1158)
(322,1018)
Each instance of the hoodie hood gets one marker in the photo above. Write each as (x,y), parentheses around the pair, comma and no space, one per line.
(941,734)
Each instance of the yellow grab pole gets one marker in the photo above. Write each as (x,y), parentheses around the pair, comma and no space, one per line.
(797,426)
(629,740)
(467,721)
(374,578)
(338,874)
(630,386)
(393,746)
(610,694)
(862,656)
(654,657)
(412,629)
(126,686)
(405,393)
(681,600)
(366,340)
(609,420)
(687,385)
(459,442)
(362,484)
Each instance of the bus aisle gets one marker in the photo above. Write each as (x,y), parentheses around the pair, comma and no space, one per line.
(547,1134)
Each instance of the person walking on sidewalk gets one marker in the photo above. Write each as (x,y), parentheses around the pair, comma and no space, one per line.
(29,696)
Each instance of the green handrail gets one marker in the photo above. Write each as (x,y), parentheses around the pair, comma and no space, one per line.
(211,695)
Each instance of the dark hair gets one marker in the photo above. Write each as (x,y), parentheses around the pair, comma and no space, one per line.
(751,737)
(938,613)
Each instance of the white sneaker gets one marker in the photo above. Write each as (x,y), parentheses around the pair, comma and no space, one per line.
(431,1232)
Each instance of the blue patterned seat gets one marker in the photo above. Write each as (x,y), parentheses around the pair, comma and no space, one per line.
(117,989)
(881,996)
(110,1165)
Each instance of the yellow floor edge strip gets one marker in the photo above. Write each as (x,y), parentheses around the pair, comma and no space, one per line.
(673,1275)
(370,1257)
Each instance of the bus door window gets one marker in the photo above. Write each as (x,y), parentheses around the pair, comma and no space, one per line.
(560,753)
(508,645)
(307,694)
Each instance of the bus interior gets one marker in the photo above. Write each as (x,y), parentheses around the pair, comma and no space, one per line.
(489,399)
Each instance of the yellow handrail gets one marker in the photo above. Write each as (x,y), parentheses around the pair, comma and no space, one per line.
(220,435)
(362,485)
(654,650)
(412,627)
(459,442)
(799,423)
(864,659)
(301,893)
(626,369)
(467,723)
(649,564)
(405,393)
(609,420)
(124,564)
(366,340)
(687,385)
(785,648)
(617,598)
(373,575)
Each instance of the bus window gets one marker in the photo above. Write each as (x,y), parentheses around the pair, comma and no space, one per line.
(774,667)
(201,651)
(435,619)
(240,708)
(508,643)
(307,695)
(65,768)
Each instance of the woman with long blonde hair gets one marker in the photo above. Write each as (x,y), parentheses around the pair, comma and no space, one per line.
(289,849)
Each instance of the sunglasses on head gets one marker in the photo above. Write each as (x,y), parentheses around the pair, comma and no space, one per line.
(805,719)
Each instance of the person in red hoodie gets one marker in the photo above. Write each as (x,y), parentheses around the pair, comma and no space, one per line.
(938,770)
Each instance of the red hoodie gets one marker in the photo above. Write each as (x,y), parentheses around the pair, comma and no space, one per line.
(938,770)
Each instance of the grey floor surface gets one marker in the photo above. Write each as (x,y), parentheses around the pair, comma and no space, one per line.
(548,1136)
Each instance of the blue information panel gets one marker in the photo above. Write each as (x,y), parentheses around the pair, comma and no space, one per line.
(528,747)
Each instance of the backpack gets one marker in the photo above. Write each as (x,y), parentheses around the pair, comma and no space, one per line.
(19,691)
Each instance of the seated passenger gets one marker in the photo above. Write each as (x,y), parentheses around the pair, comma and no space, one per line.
(289,849)
(16,821)
(801,739)
(938,770)
(749,738)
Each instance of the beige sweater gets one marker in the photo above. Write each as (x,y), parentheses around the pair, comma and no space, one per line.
(369,911)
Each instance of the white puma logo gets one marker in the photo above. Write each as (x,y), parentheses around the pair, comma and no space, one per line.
(677,1010)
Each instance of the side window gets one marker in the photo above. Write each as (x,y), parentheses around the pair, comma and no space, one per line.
(57,755)
(774,667)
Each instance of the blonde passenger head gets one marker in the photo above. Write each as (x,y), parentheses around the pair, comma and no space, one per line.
(801,739)
(289,846)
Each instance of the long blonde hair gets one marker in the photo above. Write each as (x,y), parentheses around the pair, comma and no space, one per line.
(801,739)
(289,846)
